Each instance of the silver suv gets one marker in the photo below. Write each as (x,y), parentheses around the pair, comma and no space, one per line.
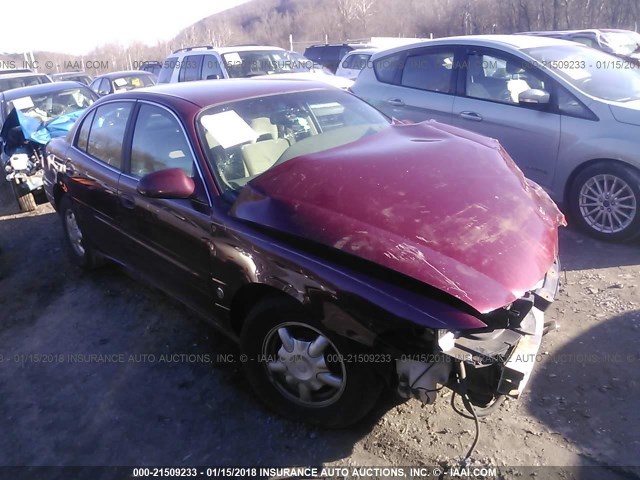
(569,115)
(212,63)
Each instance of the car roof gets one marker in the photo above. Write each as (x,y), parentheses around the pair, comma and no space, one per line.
(223,50)
(518,42)
(576,32)
(123,73)
(363,50)
(210,92)
(21,73)
(40,89)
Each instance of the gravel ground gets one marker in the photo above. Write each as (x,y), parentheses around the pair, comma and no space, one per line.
(161,391)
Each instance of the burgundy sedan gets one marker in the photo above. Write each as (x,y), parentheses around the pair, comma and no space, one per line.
(342,250)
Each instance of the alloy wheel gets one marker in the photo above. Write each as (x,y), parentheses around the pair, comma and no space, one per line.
(607,203)
(74,232)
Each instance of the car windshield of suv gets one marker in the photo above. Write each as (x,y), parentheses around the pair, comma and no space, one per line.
(19,82)
(245,138)
(265,62)
(47,106)
(622,43)
(594,72)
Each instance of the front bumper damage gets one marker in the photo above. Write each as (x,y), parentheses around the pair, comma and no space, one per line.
(496,361)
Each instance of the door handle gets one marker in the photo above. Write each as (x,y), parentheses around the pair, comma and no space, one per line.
(396,102)
(69,169)
(127,202)
(476,117)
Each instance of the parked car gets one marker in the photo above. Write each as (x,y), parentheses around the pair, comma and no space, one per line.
(622,43)
(153,67)
(21,78)
(243,61)
(335,246)
(121,82)
(329,55)
(29,118)
(566,113)
(354,62)
(80,77)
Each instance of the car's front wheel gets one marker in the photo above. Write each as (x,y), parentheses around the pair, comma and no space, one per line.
(78,245)
(604,201)
(304,372)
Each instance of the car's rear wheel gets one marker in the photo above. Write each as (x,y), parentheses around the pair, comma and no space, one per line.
(303,371)
(78,245)
(604,201)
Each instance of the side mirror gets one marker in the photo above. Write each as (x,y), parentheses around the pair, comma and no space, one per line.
(102,93)
(167,183)
(533,96)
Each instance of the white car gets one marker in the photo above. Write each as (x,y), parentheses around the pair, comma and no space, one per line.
(212,63)
(354,62)
(569,115)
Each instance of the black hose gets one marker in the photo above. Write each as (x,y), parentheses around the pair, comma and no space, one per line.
(479,411)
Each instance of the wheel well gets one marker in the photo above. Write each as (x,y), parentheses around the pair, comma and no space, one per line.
(247,297)
(581,167)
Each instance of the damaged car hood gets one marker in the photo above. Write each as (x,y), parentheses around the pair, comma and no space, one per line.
(436,203)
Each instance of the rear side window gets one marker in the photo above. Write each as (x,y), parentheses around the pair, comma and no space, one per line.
(167,69)
(107,133)
(429,71)
(190,68)
(386,68)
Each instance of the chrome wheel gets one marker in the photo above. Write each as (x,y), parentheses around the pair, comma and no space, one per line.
(74,232)
(607,203)
(304,365)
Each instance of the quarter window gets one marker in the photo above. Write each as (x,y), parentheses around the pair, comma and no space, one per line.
(107,133)
(158,143)
(211,68)
(83,134)
(386,68)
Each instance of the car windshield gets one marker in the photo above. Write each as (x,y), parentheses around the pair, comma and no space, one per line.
(131,82)
(47,106)
(594,72)
(245,138)
(265,62)
(622,43)
(19,82)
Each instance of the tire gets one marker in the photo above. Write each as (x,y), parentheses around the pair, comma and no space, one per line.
(26,201)
(605,200)
(320,388)
(78,245)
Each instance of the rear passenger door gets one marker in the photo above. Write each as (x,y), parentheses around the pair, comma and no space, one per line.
(169,236)
(94,166)
(419,84)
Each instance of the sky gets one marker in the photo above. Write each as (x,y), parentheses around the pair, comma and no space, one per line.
(77,27)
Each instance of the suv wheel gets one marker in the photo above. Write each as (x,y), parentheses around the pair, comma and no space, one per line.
(604,201)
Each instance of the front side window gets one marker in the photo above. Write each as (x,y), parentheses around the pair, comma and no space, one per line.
(159,142)
(107,133)
(429,71)
(500,78)
(245,138)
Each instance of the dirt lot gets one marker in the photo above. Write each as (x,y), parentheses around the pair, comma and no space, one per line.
(60,407)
